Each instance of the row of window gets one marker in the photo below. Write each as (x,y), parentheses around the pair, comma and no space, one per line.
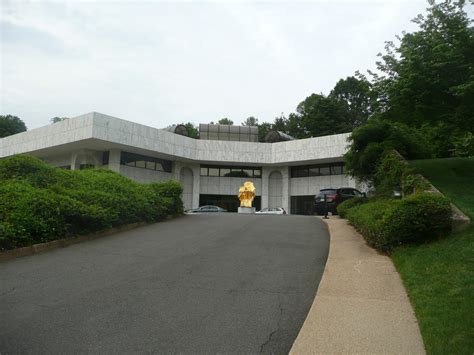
(231,171)
(318,170)
(145,162)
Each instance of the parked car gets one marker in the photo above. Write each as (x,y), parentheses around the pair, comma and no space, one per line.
(275,210)
(206,209)
(333,198)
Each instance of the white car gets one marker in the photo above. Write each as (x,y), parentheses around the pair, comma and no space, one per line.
(275,210)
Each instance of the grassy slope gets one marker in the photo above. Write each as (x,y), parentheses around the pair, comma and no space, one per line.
(439,277)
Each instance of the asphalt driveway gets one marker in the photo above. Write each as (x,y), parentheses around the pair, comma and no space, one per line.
(199,283)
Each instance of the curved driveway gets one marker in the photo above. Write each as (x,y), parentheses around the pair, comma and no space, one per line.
(200,283)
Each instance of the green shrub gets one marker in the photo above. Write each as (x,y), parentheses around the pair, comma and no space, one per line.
(39,203)
(171,196)
(343,207)
(31,215)
(394,173)
(418,218)
(29,169)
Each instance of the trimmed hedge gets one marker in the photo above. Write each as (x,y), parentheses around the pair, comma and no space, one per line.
(343,207)
(418,218)
(40,203)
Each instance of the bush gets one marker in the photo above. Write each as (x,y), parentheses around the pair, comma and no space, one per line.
(170,191)
(394,173)
(30,215)
(418,218)
(343,207)
(39,203)
(386,224)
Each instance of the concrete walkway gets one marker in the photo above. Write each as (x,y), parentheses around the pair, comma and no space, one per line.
(361,305)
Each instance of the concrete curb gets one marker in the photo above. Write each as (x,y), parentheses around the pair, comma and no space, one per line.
(361,305)
(62,243)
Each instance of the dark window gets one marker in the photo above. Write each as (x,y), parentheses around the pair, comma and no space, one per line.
(317,170)
(324,170)
(314,171)
(224,172)
(230,171)
(145,162)
(105,158)
(336,170)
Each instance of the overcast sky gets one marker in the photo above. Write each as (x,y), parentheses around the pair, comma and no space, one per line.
(159,63)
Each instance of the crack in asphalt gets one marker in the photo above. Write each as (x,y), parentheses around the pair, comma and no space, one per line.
(270,336)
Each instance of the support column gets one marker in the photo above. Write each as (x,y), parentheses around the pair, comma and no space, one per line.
(265,175)
(286,200)
(114,160)
(196,184)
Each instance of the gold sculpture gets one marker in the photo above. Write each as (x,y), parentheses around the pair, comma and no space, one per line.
(247,194)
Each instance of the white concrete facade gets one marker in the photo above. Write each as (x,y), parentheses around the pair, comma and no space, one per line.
(81,141)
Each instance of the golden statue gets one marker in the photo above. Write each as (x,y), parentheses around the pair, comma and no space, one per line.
(247,194)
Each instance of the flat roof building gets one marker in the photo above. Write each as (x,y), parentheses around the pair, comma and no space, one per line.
(286,174)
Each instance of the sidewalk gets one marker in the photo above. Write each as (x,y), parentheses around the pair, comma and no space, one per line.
(361,305)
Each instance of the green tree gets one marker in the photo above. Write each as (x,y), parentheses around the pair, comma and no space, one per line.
(427,80)
(58,119)
(263,129)
(357,97)
(193,130)
(369,142)
(11,125)
(318,115)
(250,121)
(225,120)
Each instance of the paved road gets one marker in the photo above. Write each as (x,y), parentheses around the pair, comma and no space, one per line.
(202,283)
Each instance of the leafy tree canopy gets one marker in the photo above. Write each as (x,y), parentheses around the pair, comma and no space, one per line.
(369,142)
(11,125)
(250,121)
(225,120)
(428,79)
(193,131)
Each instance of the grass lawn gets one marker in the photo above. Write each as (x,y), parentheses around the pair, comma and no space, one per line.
(439,276)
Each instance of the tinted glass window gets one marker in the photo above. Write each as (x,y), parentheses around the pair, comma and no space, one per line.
(203,171)
(336,170)
(213,172)
(325,170)
(313,171)
(225,172)
(247,172)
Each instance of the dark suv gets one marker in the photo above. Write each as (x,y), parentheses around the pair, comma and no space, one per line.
(333,198)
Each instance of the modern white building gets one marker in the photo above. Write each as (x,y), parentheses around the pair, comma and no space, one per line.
(286,174)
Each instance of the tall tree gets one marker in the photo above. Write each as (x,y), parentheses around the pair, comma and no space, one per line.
(356,96)
(250,121)
(225,120)
(11,125)
(427,80)
(318,115)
